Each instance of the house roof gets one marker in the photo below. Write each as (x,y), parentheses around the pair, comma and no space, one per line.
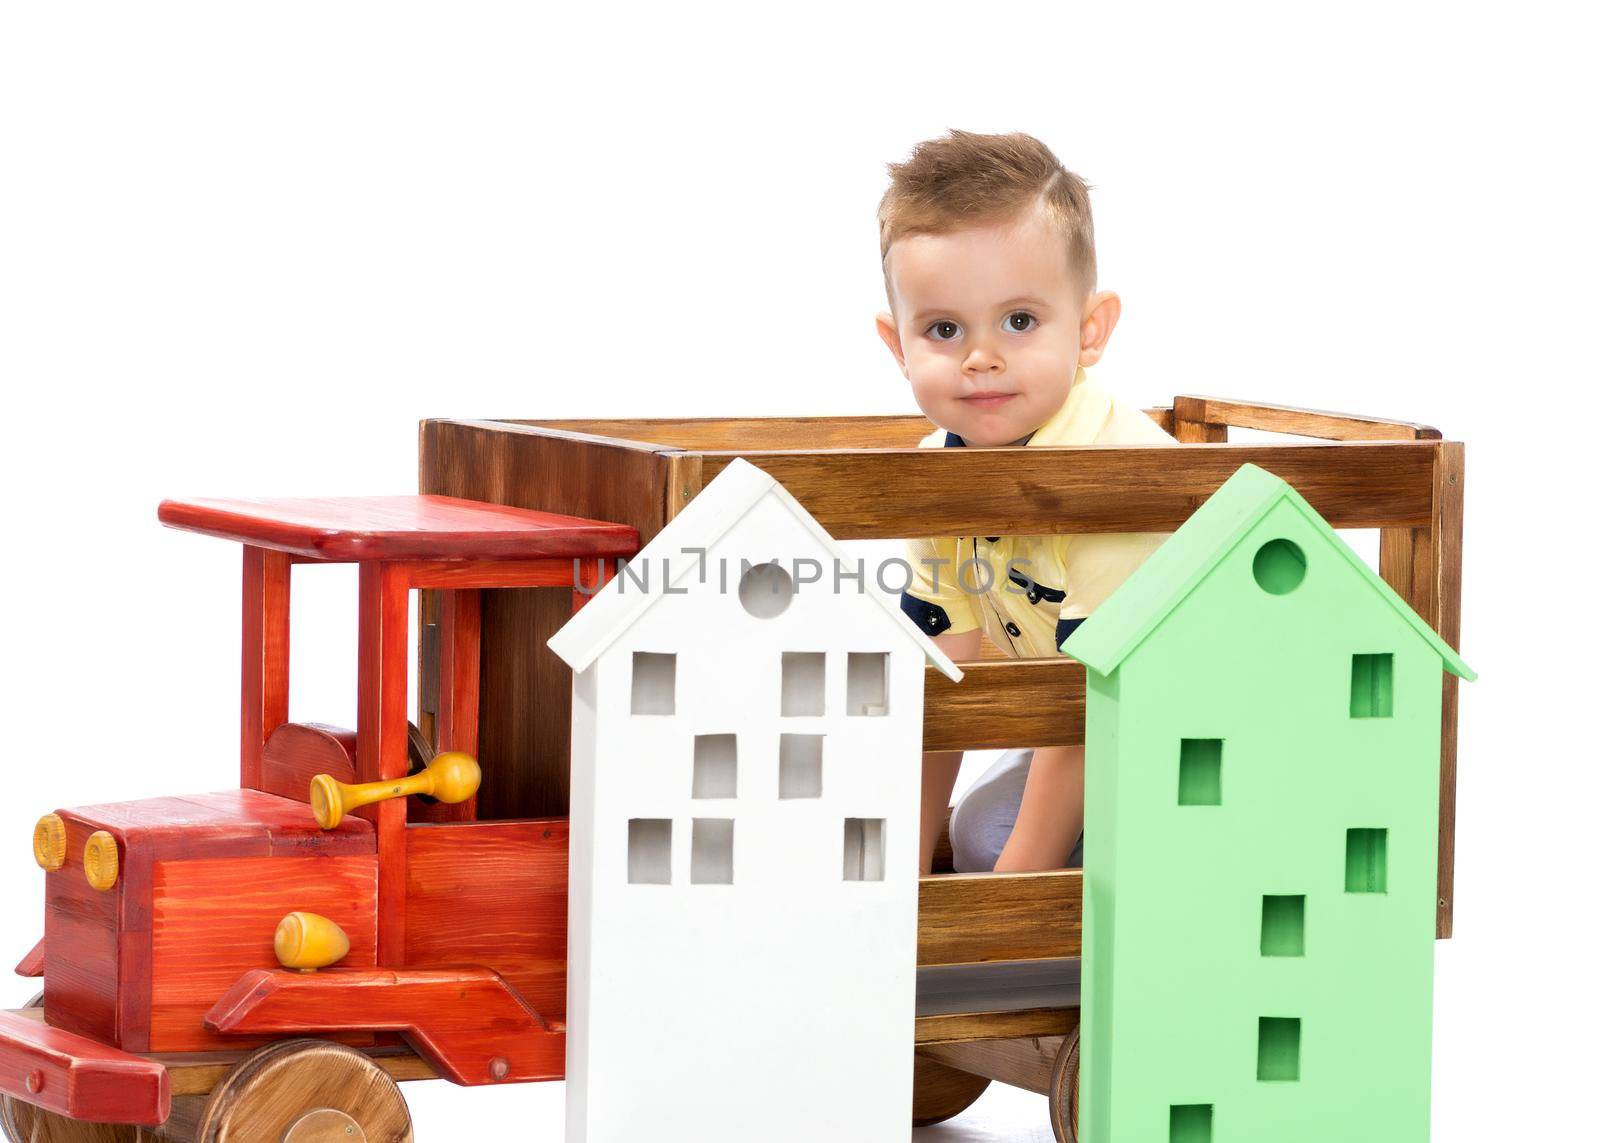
(1175,569)
(704,521)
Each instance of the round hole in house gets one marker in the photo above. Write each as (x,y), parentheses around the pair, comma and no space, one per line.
(766,590)
(1279,566)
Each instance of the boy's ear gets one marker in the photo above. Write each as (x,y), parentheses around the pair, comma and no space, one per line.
(1100,316)
(891,337)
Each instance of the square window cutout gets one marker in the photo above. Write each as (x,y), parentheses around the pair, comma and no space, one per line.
(867,683)
(654,682)
(1366,861)
(650,851)
(1372,686)
(863,849)
(716,766)
(711,852)
(804,683)
(1200,772)
(800,766)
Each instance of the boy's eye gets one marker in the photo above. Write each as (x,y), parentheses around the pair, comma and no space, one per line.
(943,330)
(1021,321)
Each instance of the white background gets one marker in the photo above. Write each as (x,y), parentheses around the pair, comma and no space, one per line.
(244,249)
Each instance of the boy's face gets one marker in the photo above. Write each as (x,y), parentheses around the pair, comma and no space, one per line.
(990,326)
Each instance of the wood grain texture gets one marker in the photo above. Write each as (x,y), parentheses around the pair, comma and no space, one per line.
(78,1077)
(296,752)
(962,1026)
(525,711)
(525,716)
(971,918)
(940,1092)
(1423,565)
(360,528)
(381,735)
(494,893)
(469,1024)
(81,944)
(32,965)
(503,573)
(306,1091)
(264,645)
(712,433)
(213,921)
(198,1073)
(460,652)
(1222,412)
(1027,1062)
(891,494)
(1002,703)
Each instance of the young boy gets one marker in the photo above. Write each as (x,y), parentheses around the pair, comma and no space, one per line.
(989,263)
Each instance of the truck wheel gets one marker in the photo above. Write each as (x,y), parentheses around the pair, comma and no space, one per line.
(940,1092)
(1064,1091)
(25,1123)
(306,1091)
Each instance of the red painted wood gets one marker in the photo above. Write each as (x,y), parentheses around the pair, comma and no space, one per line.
(399,528)
(460,628)
(381,730)
(297,752)
(491,573)
(99,945)
(467,1022)
(74,1076)
(81,944)
(213,920)
(264,643)
(32,965)
(493,893)
(592,575)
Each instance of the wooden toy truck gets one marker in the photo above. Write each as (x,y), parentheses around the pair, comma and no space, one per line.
(162,1009)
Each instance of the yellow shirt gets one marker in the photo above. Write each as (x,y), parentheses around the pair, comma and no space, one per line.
(1035,585)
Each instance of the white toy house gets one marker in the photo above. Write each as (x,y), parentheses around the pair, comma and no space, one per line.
(746,766)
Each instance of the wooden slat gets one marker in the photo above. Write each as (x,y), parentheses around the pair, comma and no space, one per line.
(198,1073)
(1001,703)
(967,1026)
(1301,422)
(460,631)
(1027,1062)
(382,753)
(974,491)
(1423,565)
(265,646)
(971,918)
(693,434)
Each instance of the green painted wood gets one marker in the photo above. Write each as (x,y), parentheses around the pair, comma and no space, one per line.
(1262,729)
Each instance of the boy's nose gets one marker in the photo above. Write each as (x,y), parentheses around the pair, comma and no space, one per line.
(983,360)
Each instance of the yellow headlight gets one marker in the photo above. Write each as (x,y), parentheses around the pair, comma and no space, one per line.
(100,860)
(50,843)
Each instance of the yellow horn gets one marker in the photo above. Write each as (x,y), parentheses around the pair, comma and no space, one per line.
(450,777)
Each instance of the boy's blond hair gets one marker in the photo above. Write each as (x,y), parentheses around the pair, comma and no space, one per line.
(963,179)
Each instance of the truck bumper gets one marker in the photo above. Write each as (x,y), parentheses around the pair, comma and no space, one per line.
(77,1077)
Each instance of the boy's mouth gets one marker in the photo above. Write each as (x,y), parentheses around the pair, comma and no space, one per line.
(987,400)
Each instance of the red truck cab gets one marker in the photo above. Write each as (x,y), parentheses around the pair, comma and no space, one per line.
(161,914)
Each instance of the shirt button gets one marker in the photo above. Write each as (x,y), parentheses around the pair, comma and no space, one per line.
(1013,630)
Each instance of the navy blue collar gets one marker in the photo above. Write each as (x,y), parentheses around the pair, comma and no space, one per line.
(953,441)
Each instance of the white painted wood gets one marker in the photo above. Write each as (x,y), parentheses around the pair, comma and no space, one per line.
(767,991)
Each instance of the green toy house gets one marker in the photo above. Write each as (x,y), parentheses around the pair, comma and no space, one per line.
(1263,803)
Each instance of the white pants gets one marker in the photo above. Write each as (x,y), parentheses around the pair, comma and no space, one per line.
(984,815)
